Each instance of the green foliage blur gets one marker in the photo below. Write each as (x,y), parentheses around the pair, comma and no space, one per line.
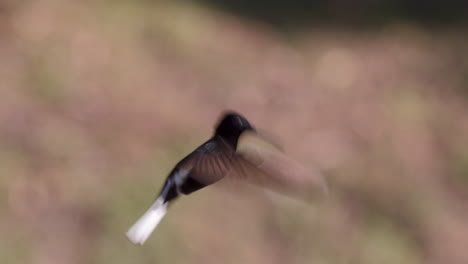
(99,99)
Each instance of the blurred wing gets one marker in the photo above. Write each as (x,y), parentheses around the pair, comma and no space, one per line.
(263,163)
(250,140)
(215,159)
(210,163)
(266,137)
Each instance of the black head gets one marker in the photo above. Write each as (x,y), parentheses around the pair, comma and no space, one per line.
(231,127)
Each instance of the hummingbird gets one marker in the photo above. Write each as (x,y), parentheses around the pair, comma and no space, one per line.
(235,150)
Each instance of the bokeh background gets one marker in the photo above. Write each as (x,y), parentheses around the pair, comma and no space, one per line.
(99,99)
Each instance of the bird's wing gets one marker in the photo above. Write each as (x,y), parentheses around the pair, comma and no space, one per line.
(261,162)
(215,159)
(257,161)
(210,162)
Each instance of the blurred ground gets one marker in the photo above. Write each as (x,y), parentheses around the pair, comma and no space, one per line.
(98,101)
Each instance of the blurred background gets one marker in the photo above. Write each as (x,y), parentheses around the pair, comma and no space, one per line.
(99,99)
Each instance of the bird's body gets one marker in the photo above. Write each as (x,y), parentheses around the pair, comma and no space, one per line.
(210,162)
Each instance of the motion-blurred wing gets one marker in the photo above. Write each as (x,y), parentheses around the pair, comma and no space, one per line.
(209,163)
(263,163)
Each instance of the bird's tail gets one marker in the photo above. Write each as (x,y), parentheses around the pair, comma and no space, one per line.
(146,224)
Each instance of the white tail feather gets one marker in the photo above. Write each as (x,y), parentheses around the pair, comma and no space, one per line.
(146,224)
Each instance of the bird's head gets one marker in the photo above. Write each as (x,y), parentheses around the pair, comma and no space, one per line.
(231,127)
